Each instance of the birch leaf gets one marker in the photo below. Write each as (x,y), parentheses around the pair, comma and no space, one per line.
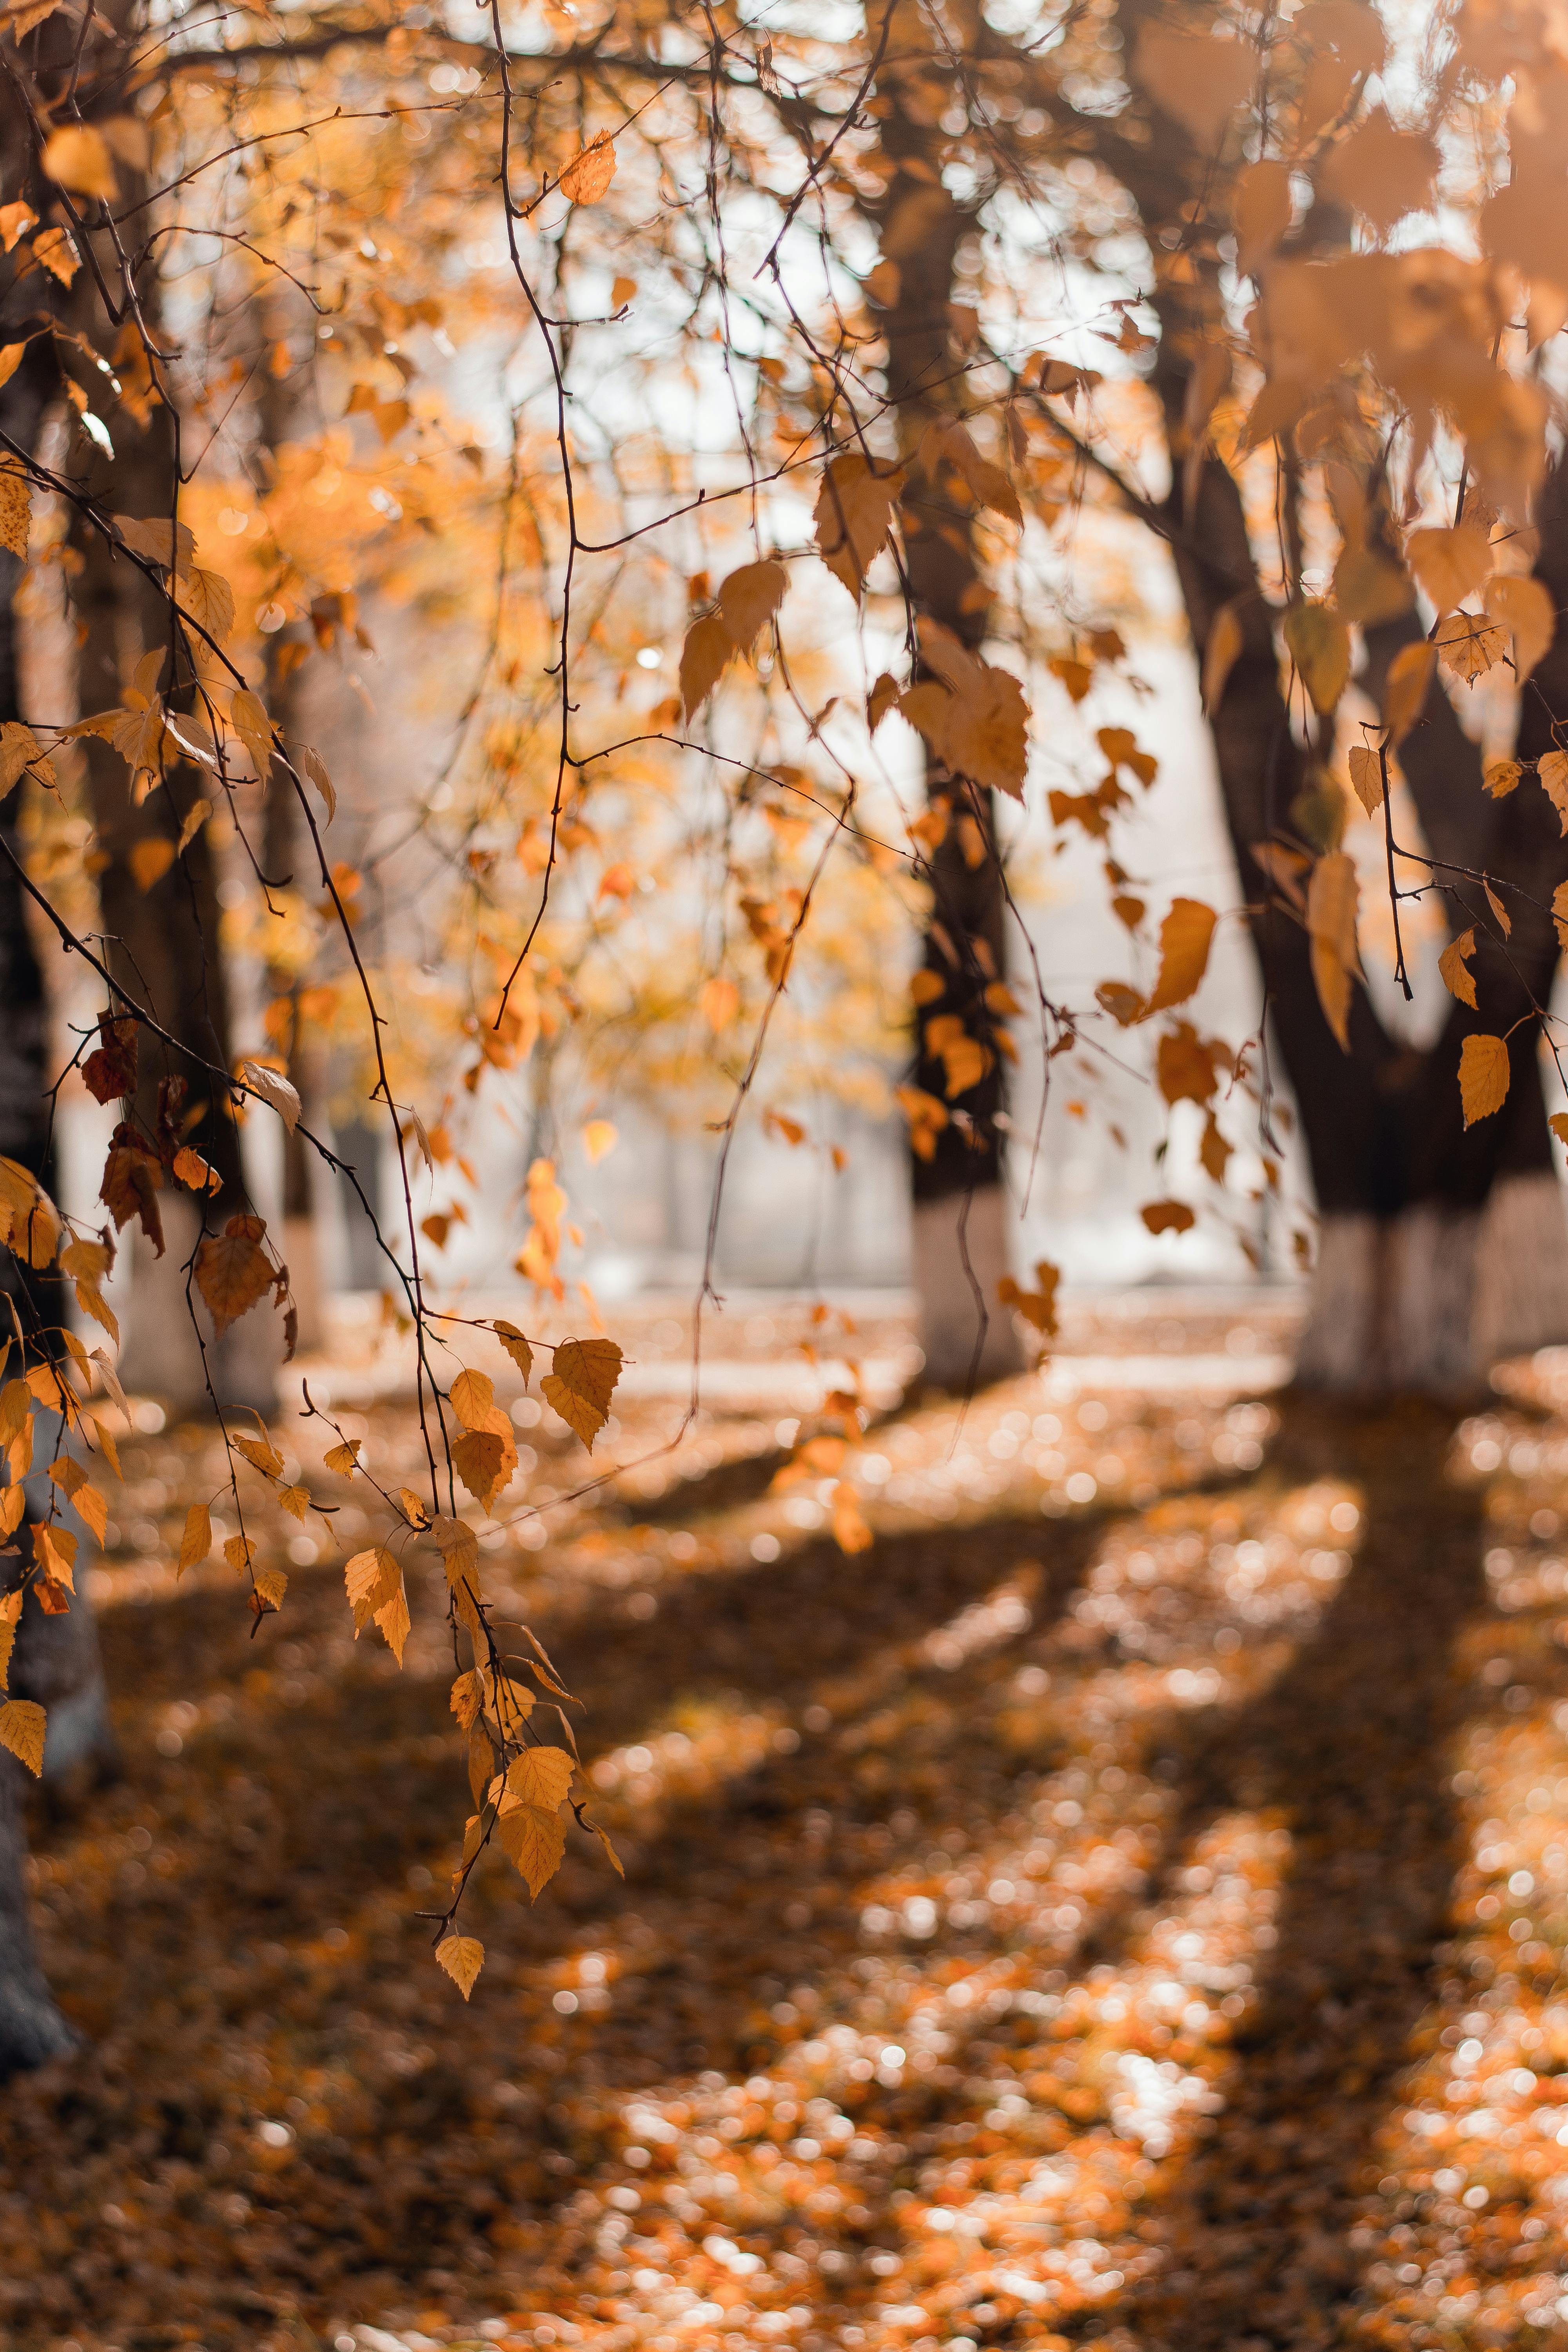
(1454,966)
(1483,1076)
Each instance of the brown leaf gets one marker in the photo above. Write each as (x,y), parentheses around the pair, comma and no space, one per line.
(1500,778)
(1167,1216)
(15,506)
(1186,1068)
(232,1271)
(709,646)
(1380,172)
(1366,777)
(479,1457)
(132,1174)
(853,516)
(1552,769)
(1198,81)
(110,1071)
(1470,645)
(1185,939)
(1483,1076)
(1260,210)
(473,1399)
(1331,896)
(1220,655)
(748,600)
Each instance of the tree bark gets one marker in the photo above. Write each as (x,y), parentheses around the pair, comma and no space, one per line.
(959,1221)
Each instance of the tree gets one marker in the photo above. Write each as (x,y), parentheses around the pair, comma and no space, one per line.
(762,336)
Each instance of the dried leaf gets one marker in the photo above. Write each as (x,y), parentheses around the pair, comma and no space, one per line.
(1168,1217)
(1471,644)
(588,176)
(232,1271)
(462,1956)
(1331,896)
(541,1776)
(1483,1076)
(1449,565)
(1406,689)
(22,1728)
(534,1839)
(748,600)
(77,157)
(15,506)
(709,646)
(1499,777)
(1454,966)
(1552,769)
(1260,210)
(853,516)
(274,1090)
(1524,607)
(473,1399)
(160,540)
(1320,645)
(516,1345)
(1198,81)
(581,1384)
(1185,939)
(1380,172)
(1366,777)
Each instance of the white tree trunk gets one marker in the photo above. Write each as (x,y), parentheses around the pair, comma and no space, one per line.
(1430,1300)
(960,1257)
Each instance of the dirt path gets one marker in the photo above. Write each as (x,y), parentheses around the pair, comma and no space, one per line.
(1133,1921)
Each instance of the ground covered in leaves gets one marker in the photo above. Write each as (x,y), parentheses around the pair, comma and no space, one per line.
(1126,1905)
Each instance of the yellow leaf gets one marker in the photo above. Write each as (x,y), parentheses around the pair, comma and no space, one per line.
(462,1956)
(534,1839)
(232,1271)
(13,1503)
(599,1139)
(847,1520)
(1184,938)
(1500,778)
(466,1700)
(1557,1123)
(1552,769)
(194,1172)
(239,1552)
(22,1727)
(588,176)
(1320,645)
(853,516)
(272,1583)
(1454,966)
(1483,1076)
(197,1540)
(1525,607)
(581,1384)
(54,248)
(296,1501)
(208,599)
(260,1453)
(614,1859)
(171,544)
(514,1343)
(1499,911)
(540,1776)
(1405,691)
(1332,896)
(473,1397)
(149,860)
(479,1457)
(1471,644)
(15,506)
(344,1458)
(77,157)
(54,1550)
(1449,565)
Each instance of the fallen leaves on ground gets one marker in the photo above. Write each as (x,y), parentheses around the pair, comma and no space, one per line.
(1123,1907)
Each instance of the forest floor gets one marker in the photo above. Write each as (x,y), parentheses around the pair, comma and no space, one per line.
(1126,1905)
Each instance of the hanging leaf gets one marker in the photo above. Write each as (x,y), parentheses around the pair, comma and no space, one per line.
(473,1399)
(1185,939)
(581,1384)
(1260,213)
(1552,769)
(517,1348)
(853,516)
(1331,896)
(15,506)
(1366,777)
(1406,689)
(1525,607)
(748,600)
(22,1729)
(274,1090)
(709,646)
(1320,645)
(77,157)
(1449,565)
(232,1271)
(462,1956)
(586,179)
(1483,1076)
(1453,965)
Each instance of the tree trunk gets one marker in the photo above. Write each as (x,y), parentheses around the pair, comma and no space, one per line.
(163,943)
(961,1252)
